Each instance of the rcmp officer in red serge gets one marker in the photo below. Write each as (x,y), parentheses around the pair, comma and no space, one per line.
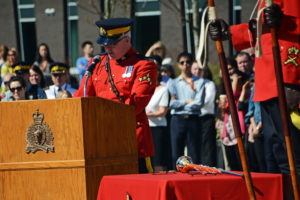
(285,14)
(124,76)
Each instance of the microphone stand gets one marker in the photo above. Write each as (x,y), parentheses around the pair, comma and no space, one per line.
(87,74)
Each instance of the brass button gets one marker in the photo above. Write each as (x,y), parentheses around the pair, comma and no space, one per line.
(110,89)
(125,81)
(96,79)
(138,123)
(113,75)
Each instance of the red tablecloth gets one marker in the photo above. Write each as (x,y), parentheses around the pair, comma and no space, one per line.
(189,187)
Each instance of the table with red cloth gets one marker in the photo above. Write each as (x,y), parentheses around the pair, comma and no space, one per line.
(161,186)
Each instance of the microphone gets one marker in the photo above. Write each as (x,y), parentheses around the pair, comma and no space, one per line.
(92,66)
(89,71)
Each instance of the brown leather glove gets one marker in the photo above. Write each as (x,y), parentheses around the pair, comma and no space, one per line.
(273,16)
(219,29)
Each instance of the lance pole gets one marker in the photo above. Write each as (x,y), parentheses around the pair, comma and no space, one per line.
(283,108)
(232,107)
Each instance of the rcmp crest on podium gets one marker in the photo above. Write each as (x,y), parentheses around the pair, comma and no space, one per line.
(39,136)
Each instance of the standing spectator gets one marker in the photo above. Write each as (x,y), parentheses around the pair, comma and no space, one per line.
(36,83)
(196,71)
(156,111)
(255,140)
(187,98)
(158,48)
(59,78)
(17,86)
(82,62)
(228,135)
(207,117)
(43,58)
(167,74)
(244,63)
(12,57)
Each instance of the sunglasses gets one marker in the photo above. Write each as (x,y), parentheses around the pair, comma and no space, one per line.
(58,75)
(16,88)
(187,62)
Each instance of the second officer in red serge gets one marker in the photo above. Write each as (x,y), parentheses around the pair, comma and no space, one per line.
(124,76)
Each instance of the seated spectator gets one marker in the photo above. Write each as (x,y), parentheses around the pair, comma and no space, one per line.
(21,69)
(59,78)
(36,83)
(4,87)
(187,98)
(36,76)
(64,94)
(3,57)
(17,86)
(156,111)
(6,67)
(82,62)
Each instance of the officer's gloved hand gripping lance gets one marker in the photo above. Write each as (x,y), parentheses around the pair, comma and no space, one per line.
(90,70)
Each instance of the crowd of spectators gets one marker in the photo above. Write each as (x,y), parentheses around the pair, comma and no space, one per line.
(188,113)
(196,120)
(44,78)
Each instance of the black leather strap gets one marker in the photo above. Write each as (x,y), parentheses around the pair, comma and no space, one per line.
(111,81)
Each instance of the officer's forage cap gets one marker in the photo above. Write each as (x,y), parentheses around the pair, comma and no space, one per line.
(111,29)
(58,68)
(21,67)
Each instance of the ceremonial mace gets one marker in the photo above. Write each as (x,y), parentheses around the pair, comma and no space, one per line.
(232,106)
(283,107)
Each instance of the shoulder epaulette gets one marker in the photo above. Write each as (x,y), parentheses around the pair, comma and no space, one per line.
(142,57)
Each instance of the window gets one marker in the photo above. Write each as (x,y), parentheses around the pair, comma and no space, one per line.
(147,24)
(27,32)
(73,31)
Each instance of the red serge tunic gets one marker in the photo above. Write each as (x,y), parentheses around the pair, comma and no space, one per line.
(135,79)
(288,38)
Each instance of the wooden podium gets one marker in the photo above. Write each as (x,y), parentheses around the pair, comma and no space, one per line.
(92,137)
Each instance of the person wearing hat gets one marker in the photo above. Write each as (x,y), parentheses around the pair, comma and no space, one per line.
(124,76)
(21,69)
(59,77)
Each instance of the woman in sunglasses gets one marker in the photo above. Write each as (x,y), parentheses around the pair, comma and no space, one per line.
(17,86)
